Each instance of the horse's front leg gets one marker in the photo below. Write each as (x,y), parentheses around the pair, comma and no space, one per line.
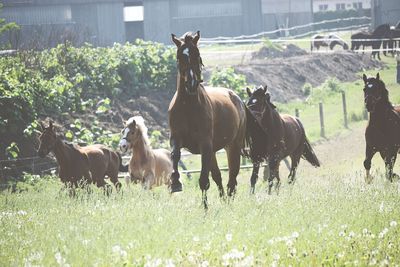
(390,158)
(274,169)
(204,182)
(369,154)
(254,177)
(176,185)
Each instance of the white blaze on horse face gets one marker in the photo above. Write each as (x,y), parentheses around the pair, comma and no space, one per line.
(370,85)
(254,101)
(186,51)
(123,143)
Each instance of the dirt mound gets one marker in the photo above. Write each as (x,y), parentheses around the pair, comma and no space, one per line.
(271,52)
(285,76)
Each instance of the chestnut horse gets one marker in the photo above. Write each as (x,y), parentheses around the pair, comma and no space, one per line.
(79,166)
(273,137)
(148,166)
(383,131)
(204,120)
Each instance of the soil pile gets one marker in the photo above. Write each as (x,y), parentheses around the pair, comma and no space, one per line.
(285,76)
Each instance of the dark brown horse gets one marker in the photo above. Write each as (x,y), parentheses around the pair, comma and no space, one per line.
(383,131)
(371,39)
(80,166)
(273,137)
(204,120)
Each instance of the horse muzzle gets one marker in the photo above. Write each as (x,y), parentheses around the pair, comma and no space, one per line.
(123,146)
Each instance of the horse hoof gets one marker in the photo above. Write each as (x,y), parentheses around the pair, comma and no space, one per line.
(176,188)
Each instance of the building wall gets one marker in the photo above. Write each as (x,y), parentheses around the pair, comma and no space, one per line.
(385,11)
(333,5)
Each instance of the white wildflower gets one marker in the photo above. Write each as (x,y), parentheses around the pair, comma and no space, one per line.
(381,207)
(276,257)
(295,235)
(169,263)
(205,264)
(393,224)
(196,238)
(228,237)
(22,212)
(342,233)
(365,231)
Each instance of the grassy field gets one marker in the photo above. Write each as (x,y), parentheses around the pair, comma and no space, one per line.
(329,217)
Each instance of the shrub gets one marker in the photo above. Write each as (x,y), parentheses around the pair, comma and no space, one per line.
(227,78)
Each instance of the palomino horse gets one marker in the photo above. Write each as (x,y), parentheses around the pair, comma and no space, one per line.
(273,137)
(204,120)
(89,164)
(383,131)
(148,166)
(330,40)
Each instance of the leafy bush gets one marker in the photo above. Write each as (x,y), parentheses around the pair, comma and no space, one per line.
(67,79)
(227,78)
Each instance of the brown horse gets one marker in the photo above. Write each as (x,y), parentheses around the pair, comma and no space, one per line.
(148,166)
(273,137)
(383,131)
(204,120)
(79,166)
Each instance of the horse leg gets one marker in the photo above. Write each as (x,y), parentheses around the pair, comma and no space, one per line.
(369,154)
(254,177)
(176,185)
(113,174)
(295,162)
(204,182)
(274,169)
(216,175)
(390,159)
(233,154)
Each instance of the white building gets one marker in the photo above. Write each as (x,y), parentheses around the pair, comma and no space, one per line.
(334,5)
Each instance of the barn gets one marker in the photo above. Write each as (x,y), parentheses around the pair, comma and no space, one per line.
(385,11)
(103,22)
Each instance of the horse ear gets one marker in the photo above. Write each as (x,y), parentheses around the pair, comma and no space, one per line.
(51,125)
(265,89)
(248,90)
(365,78)
(132,125)
(176,40)
(196,38)
(377,76)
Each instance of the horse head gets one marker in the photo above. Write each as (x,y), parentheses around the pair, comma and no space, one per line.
(259,102)
(47,138)
(133,130)
(189,60)
(375,92)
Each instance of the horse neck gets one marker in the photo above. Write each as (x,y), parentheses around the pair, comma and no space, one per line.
(140,148)
(182,94)
(61,151)
(380,116)
(273,123)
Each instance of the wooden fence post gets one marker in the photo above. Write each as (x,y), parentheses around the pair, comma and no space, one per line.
(321,119)
(297,113)
(344,109)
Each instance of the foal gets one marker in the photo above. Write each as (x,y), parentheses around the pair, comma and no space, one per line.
(150,167)
(383,131)
(80,165)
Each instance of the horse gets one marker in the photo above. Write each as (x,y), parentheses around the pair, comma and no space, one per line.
(204,120)
(150,167)
(330,41)
(383,131)
(81,166)
(273,137)
(371,39)
(393,42)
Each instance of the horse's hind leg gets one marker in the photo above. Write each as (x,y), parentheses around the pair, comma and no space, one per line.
(216,175)
(233,154)
(295,162)
(113,174)
(254,177)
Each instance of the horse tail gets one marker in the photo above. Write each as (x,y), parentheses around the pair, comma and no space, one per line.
(122,168)
(309,154)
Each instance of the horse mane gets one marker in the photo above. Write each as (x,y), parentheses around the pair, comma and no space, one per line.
(139,120)
(255,139)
